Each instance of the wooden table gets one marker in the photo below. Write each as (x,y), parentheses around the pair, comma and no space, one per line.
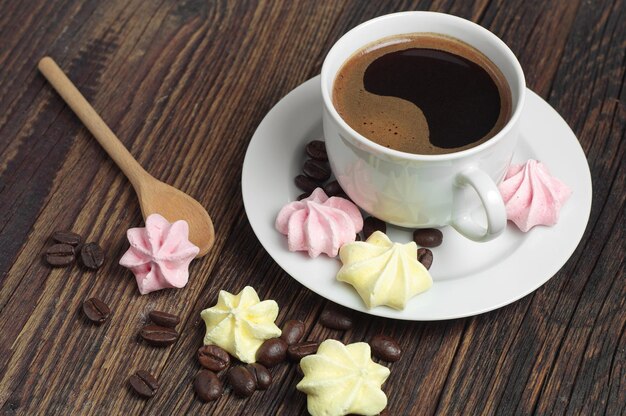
(185,84)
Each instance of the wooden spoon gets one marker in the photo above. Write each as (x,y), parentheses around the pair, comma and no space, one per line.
(154,195)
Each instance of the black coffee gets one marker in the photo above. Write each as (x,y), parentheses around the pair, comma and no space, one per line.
(423,94)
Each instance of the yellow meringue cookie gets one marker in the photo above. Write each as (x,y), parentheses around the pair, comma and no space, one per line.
(240,323)
(341,379)
(383,272)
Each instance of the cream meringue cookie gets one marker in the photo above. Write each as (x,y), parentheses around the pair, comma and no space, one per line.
(342,379)
(159,254)
(383,272)
(240,323)
(319,224)
(532,196)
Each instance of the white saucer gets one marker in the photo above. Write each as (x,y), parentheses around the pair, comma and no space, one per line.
(469,278)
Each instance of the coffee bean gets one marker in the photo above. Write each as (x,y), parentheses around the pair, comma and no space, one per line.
(164,318)
(144,383)
(96,310)
(371,224)
(159,336)
(305,183)
(316,170)
(293,331)
(297,351)
(333,189)
(425,256)
(272,352)
(303,196)
(336,318)
(317,150)
(213,357)
(428,237)
(241,381)
(67,237)
(261,375)
(60,255)
(92,256)
(207,386)
(385,348)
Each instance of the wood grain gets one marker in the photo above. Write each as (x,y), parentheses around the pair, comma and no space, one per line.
(184,84)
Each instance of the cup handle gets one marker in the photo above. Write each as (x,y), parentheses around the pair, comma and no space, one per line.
(492,203)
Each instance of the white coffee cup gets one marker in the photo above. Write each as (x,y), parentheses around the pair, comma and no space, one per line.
(420,191)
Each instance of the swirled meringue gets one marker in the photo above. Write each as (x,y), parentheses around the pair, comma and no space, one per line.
(341,379)
(383,272)
(319,224)
(240,323)
(159,254)
(532,196)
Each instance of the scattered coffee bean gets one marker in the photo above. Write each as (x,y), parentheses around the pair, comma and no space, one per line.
(261,376)
(428,237)
(92,256)
(241,381)
(425,256)
(164,318)
(336,318)
(317,150)
(316,170)
(298,351)
(67,237)
(272,352)
(213,357)
(305,183)
(333,189)
(159,336)
(96,310)
(60,255)
(371,224)
(144,383)
(304,195)
(385,348)
(293,331)
(207,386)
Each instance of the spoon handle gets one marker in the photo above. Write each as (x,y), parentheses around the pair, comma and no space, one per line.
(86,113)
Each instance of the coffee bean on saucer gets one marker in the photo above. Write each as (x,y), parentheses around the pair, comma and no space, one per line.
(213,357)
(428,237)
(144,383)
(241,380)
(60,255)
(164,318)
(272,352)
(91,256)
(298,351)
(334,317)
(316,149)
(316,170)
(96,310)
(159,336)
(385,348)
(67,237)
(333,189)
(293,331)
(207,386)
(303,195)
(261,375)
(371,224)
(305,183)
(425,256)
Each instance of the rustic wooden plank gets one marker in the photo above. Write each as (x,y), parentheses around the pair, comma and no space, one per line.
(185,84)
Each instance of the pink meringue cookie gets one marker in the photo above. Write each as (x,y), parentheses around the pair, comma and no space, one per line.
(159,254)
(319,224)
(532,196)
